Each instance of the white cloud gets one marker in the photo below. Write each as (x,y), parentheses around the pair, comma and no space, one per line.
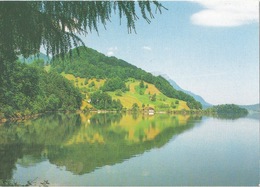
(147,48)
(111,51)
(226,13)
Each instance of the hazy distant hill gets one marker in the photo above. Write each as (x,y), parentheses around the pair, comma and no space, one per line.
(177,87)
(254,107)
(196,97)
(254,111)
(31,58)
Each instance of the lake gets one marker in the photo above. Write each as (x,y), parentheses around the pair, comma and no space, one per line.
(130,149)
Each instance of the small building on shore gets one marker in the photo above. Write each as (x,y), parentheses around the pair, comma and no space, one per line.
(149,110)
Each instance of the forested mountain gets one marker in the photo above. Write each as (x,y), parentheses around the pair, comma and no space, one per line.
(177,87)
(255,107)
(94,81)
(29,89)
(195,96)
(92,64)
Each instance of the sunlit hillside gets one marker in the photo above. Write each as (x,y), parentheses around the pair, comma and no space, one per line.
(141,97)
(91,70)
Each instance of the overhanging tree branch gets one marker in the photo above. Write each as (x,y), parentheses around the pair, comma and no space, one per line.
(27,25)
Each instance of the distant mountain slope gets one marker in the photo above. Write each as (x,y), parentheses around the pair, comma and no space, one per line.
(31,58)
(196,97)
(92,64)
(255,107)
(177,87)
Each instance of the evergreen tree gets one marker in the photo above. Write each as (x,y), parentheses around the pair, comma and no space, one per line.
(26,25)
(29,89)
(141,84)
(153,98)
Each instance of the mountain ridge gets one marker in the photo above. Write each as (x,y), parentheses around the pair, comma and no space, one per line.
(198,98)
(254,107)
(92,64)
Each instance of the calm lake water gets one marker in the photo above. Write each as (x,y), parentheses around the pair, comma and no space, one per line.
(116,149)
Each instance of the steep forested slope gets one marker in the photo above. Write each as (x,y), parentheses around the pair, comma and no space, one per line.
(28,89)
(92,64)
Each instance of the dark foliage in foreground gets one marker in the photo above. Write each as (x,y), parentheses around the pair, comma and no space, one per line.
(28,89)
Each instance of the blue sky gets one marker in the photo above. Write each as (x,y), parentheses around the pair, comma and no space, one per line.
(209,48)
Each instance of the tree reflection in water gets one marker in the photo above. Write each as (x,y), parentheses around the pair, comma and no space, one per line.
(84,142)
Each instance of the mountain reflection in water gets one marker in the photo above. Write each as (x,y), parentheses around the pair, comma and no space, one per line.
(83,142)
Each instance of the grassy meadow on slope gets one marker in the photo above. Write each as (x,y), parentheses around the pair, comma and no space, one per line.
(92,67)
(128,98)
(105,83)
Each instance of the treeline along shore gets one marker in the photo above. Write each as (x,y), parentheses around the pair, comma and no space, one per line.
(91,82)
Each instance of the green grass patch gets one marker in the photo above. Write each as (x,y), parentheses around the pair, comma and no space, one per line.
(141,96)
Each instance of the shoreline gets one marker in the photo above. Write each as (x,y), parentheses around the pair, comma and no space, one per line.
(172,112)
(30,116)
(34,116)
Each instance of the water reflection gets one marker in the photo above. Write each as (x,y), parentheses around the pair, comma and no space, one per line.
(231,116)
(83,142)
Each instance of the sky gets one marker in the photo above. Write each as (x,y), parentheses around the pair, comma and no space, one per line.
(210,48)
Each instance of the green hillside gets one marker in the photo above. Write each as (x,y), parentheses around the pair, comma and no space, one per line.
(29,89)
(127,98)
(92,69)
